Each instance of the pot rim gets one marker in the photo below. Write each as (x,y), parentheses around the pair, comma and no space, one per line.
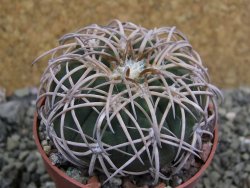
(188,183)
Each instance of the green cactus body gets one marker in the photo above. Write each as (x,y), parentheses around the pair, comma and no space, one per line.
(126,100)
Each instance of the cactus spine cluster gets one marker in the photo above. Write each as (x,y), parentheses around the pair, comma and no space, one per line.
(125,100)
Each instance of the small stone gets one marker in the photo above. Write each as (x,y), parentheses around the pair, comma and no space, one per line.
(3,131)
(115,181)
(2,162)
(228,182)
(239,167)
(8,159)
(54,158)
(6,182)
(28,121)
(247,169)
(23,185)
(42,136)
(25,177)
(222,111)
(30,145)
(229,174)
(40,167)
(2,95)
(248,148)
(44,178)
(236,180)
(248,119)
(41,127)
(35,177)
(31,167)
(228,103)
(13,142)
(47,149)
(22,92)
(44,143)
(216,165)
(215,175)
(22,156)
(206,182)
(74,173)
(146,180)
(22,146)
(49,184)
(235,144)
(30,112)
(25,131)
(176,181)
(243,148)
(18,165)
(8,168)
(29,159)
(32,185)
(245,175)
(12,111)
(245,156)
(245,90)
(230,116)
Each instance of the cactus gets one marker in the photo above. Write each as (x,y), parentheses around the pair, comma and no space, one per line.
(125,100)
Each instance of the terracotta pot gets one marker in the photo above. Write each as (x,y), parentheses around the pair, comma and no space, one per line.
(63,181)
(59,177)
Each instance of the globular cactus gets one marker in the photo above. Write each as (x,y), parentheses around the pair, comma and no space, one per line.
(125,100)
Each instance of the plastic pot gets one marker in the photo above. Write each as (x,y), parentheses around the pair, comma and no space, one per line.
(63,181)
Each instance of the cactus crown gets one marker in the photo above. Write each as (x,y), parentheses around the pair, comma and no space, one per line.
(126,100)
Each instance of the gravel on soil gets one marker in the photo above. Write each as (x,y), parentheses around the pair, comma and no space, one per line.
(21,165)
